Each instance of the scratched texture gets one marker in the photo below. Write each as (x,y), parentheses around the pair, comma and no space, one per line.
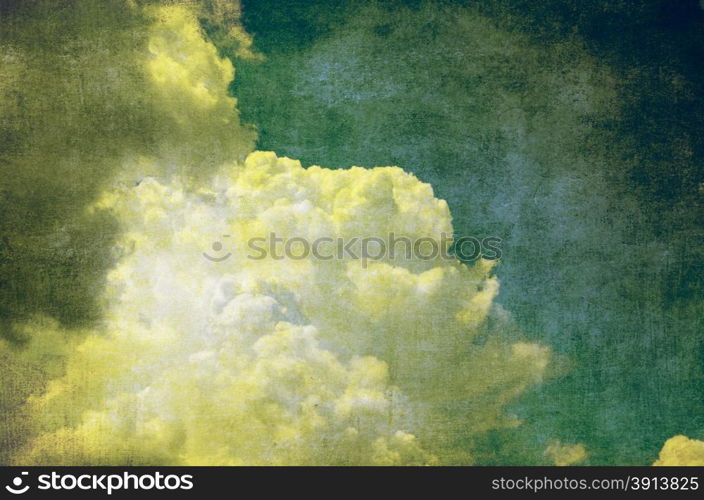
(572,130)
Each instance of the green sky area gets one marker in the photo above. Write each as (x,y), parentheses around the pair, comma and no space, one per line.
(572,130)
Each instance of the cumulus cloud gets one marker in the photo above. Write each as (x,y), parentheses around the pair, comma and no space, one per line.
(304,362)
(186,83)
(262,361)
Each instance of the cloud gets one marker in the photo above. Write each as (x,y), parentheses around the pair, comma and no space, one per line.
(279,361)
(186,83)
(89,95)
(254,361)
(563,454)
(86,94)
(682,451)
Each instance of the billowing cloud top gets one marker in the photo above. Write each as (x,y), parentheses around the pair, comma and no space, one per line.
(281,361)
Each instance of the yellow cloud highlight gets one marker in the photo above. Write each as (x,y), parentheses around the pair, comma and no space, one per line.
(680,450)
(563,454)
(280,361)
(186,84)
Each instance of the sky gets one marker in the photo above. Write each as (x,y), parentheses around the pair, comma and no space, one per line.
(570,130)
